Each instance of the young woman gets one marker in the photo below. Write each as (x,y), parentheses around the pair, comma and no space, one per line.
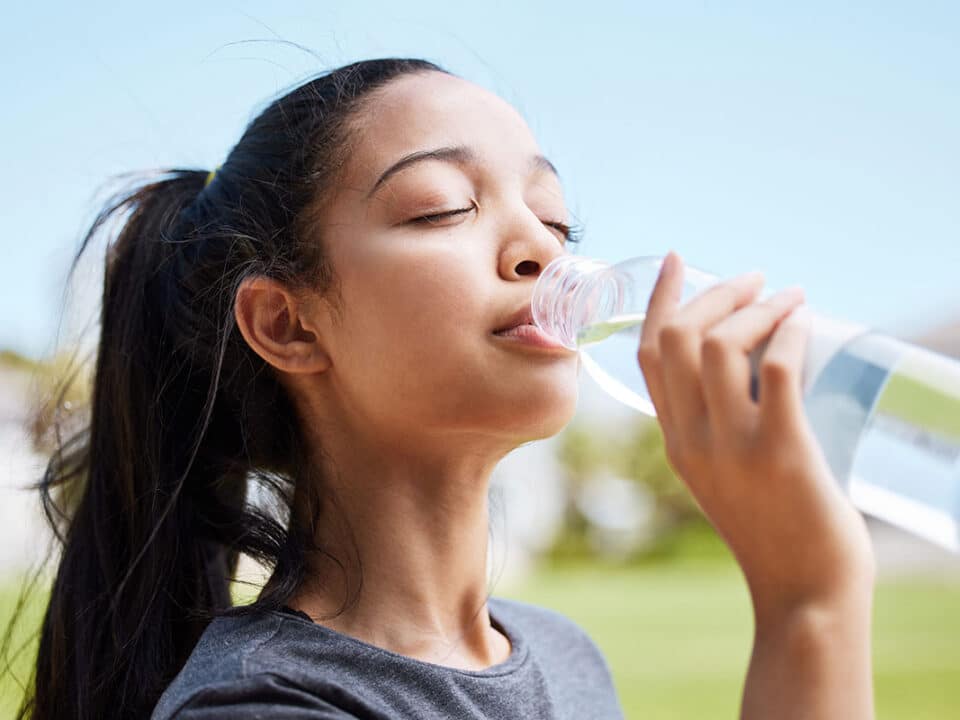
(321,315)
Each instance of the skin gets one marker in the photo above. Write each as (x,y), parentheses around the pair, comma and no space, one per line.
(412,401)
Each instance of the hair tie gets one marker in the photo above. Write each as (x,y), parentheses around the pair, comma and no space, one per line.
(210,176)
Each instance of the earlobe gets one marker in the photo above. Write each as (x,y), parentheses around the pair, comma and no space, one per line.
(272,321)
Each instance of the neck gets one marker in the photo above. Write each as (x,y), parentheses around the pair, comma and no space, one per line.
(412,535)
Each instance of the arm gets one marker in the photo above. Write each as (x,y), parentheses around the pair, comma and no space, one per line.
(812,661)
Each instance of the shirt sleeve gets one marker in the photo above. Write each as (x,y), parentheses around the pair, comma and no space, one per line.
(260,696)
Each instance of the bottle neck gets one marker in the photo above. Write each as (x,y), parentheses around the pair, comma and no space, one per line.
(564,297)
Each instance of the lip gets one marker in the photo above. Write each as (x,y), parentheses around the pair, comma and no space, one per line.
(531,335)
(523,316)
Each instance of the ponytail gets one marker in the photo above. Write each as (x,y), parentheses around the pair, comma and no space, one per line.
(140,567)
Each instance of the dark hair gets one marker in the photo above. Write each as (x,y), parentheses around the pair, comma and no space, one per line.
(150,499)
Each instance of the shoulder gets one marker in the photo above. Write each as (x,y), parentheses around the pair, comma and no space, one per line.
(261,695)
(246,665)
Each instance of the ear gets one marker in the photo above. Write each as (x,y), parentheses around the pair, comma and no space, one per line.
(272,320)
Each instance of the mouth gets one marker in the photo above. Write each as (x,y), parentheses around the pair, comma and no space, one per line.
(521,330)
(521,318)
(531,335)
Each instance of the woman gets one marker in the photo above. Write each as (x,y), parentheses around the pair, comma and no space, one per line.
(321,314)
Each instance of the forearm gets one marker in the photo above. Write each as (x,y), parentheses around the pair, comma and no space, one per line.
(812,662)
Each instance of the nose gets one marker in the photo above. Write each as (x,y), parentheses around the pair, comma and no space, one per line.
(529,247)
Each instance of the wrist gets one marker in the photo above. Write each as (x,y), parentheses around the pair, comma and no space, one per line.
(828,588)
(816,617)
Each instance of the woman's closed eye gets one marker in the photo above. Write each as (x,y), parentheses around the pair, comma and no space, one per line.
(437,218)
(569,233)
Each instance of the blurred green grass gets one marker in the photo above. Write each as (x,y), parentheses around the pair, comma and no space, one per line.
(15,664)
(677,635)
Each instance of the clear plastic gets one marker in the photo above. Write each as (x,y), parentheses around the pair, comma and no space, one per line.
(886,413)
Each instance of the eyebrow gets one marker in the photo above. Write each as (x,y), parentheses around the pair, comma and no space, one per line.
(456,155)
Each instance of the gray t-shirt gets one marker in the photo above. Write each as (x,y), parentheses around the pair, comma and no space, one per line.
(282,665)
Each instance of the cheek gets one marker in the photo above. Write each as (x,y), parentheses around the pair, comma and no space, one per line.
(424,308)
(416,348)
(410,324)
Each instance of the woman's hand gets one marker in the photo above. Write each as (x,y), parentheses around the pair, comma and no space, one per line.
(759,475)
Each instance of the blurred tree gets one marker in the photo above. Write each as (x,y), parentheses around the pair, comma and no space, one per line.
(582,449)
(635,453)
(642,457)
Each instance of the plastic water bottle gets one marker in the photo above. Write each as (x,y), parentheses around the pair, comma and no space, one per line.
(886,413)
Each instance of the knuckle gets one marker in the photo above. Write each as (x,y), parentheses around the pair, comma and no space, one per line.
(648,355)
(775,371)
(714,346)
(673,335)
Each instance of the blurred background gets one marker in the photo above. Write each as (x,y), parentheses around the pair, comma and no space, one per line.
(816,142)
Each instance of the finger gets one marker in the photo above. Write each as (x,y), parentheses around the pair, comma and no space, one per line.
(726,359)
(663,301)
(665,297)
(781,367)
(717,302)
(681,345)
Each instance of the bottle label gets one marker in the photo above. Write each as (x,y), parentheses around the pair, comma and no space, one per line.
(907,467)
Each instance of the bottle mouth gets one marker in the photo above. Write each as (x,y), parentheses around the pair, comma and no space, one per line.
(561,297)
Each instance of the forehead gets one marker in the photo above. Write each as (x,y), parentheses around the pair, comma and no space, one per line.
(431,110)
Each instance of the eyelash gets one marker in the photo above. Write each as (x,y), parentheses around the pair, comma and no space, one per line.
(571,233)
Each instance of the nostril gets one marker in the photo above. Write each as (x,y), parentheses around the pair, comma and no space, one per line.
(529,267)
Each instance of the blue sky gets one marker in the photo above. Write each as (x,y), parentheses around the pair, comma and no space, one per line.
(818,141)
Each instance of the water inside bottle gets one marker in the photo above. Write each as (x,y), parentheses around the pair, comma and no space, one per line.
(613,363)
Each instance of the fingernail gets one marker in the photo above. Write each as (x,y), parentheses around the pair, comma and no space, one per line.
(791,293)
(751,278)
(669,263)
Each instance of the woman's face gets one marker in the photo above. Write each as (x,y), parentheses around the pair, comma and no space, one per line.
(415,356)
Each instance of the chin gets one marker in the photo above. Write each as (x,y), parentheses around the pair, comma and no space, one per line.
(545,419)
